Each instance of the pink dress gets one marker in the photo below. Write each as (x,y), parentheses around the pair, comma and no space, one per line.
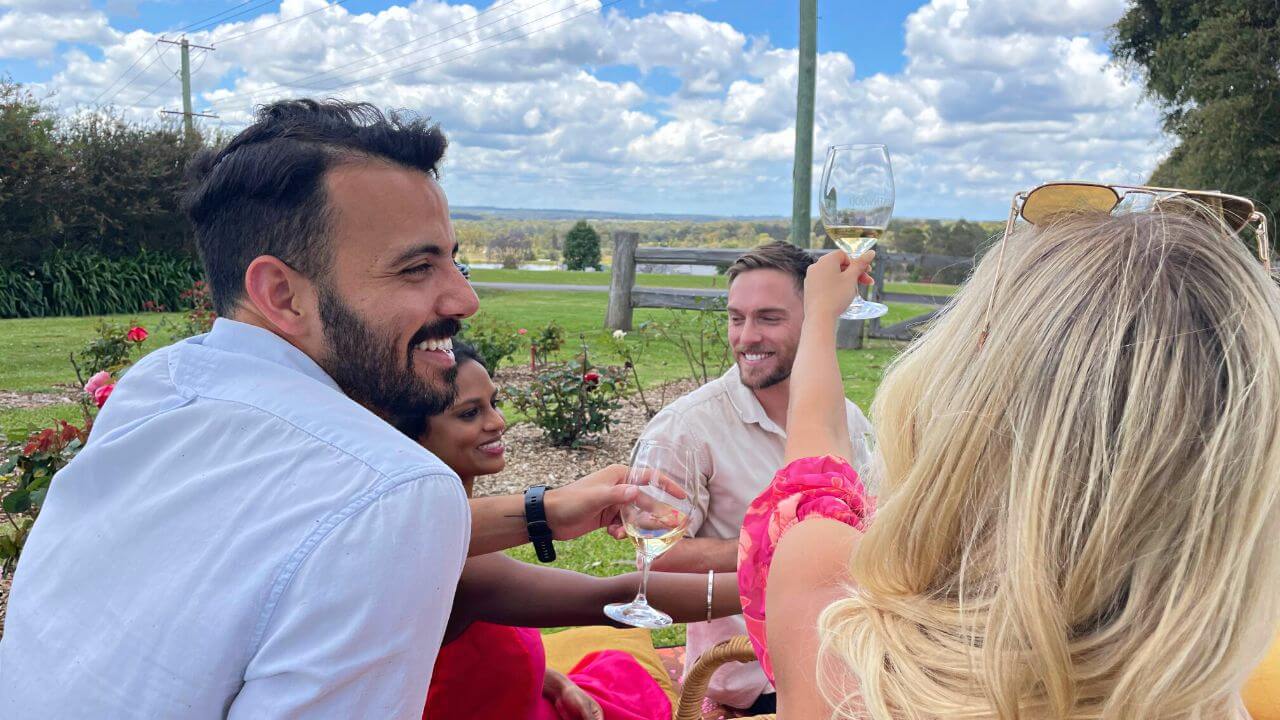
(810,487)
(494,672)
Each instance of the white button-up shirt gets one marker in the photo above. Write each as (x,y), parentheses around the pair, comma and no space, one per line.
(739,450)
(237,539)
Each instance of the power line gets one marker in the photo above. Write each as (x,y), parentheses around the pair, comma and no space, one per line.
(184,28)
(418,65)
(166,81)
(136,60)
(333,70)
(246,11)
(335,3)
(141,72)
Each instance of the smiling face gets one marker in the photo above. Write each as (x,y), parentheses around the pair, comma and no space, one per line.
(394,297)
(468,435)
(766,311)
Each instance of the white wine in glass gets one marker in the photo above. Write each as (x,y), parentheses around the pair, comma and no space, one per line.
(667,477)
(856,205)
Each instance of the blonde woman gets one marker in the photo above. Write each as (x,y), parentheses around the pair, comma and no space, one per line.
(1079,517)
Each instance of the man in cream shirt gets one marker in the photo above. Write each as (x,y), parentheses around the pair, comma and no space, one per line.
(737,426)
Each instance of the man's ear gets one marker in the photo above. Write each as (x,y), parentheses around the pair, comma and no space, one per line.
(280,295)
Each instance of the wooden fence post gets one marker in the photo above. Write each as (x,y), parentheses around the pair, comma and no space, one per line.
(623,280)
(849,334)
(876,291)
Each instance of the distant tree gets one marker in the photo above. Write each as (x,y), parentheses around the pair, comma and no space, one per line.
(30,167)
(962,238)
(910,239)
(582,247)
(1212,67)
(509,249)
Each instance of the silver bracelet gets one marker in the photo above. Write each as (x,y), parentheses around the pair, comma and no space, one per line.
(711,577)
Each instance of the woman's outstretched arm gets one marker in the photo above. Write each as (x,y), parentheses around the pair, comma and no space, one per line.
(499,589)
(816,423)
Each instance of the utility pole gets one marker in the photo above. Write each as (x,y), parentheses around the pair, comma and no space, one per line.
(802,173)
(188,124)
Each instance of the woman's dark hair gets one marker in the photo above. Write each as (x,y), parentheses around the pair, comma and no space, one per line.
(463,352)
(263,193)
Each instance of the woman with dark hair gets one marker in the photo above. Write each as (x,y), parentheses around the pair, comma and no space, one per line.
(493,664)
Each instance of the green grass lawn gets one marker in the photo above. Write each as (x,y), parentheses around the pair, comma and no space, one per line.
(33,358)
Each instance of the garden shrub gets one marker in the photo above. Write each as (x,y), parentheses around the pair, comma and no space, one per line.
(571,402)
(494,341)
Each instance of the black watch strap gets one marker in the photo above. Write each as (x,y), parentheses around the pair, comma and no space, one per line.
(535,519)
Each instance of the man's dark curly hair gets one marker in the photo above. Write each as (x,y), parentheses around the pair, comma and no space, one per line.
(263,193)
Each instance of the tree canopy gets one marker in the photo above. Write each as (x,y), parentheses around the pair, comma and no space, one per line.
(1213,66)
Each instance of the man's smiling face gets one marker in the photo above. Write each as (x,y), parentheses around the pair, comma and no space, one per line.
(766,311)
(393,298)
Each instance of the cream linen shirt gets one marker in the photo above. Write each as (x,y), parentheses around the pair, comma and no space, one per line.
(739,449)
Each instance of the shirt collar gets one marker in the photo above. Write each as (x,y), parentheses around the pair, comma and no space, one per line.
(744,401)
(237,337)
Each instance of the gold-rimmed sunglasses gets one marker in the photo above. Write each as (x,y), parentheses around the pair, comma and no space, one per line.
(1041,204)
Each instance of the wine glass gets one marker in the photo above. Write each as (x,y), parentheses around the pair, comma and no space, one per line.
(856,204)
(667,478)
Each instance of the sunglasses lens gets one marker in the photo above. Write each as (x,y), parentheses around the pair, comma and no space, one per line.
(1048,200)
(1232,211)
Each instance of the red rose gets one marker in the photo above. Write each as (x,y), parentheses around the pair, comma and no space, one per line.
(137,334)
(591,378)
(101,394)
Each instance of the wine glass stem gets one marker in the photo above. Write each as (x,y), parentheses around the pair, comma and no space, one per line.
(642,596)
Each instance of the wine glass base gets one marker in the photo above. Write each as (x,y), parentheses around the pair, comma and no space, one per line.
(637,615)
(865,310)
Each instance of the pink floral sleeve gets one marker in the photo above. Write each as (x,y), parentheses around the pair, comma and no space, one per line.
(822,487)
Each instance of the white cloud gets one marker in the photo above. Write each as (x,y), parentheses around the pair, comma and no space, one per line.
(37,33)
(548,108)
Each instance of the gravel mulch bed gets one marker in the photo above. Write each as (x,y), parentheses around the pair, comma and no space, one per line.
(532,461)
(10,400)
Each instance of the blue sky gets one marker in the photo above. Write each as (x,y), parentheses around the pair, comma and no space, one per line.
(645,105)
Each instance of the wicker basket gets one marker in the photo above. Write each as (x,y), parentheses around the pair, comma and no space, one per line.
(736,649)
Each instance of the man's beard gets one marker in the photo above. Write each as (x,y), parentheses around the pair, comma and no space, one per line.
(780,373)
(375,373)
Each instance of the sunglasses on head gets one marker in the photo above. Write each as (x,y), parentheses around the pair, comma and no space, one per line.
(1042,204)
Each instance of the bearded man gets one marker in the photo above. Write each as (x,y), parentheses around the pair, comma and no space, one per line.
(246,534)
(737,426)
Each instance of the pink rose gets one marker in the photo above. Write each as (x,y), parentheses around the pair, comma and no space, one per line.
(101,394)
(136,334)
(98,380)
(522,331)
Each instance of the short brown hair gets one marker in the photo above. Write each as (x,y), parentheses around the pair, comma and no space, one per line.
(774,255)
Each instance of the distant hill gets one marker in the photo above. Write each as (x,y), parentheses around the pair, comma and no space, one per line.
(482,212)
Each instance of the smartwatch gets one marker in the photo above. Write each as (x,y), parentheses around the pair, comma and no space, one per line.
(535,519)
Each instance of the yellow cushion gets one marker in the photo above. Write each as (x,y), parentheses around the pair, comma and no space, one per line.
(1262,692)
(565,649)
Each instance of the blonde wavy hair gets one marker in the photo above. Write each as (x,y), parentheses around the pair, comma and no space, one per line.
(1079,520)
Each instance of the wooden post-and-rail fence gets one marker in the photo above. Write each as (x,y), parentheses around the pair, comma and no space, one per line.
(624,296)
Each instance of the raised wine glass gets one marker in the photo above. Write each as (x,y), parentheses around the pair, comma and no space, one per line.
(667,477)
(856,204)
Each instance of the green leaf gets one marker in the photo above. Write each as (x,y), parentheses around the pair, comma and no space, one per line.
(17,501)
(37,496)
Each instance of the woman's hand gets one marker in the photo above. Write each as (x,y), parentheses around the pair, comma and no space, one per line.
(832,283)
(571,702)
